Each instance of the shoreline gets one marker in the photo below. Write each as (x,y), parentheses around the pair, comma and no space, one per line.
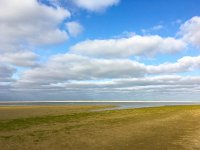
(116,105)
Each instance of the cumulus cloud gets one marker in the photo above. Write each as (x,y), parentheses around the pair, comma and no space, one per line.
(64,68)
(184,64)
(20,58)
(6,73)
(74,28)
(125,47)
(75,67)
(172,86)
(97,5)
(69,74)
(30,23)
(91,68)
(136,83)
(190,31)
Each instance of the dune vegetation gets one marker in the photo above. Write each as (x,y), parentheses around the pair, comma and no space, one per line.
(82,128)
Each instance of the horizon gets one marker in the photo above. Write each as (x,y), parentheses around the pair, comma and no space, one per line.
(97,101)
(107,50)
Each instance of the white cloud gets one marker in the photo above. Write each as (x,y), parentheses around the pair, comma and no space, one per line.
(64,68)
(159,88)
(29,22)
(101,67)
(74,67)
(69,74)
(20,58)
(95,5)
(125,47)
(74,28)
(152,29)
(190,31)
(137,83)
(157,27)
(6,73)
(184,64)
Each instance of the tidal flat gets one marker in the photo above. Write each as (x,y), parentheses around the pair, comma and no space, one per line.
(84,128)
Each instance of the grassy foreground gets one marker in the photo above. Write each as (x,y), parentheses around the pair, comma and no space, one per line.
(80,128)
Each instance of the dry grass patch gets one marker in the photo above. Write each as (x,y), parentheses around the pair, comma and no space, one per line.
(169,127)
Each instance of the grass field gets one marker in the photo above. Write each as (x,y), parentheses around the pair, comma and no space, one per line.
(81,128)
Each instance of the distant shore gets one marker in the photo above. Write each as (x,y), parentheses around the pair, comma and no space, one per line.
(119,104)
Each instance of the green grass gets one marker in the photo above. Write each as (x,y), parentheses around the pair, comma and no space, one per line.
(16,124)
(21,123)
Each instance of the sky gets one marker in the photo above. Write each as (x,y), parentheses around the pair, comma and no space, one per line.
(100,50)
